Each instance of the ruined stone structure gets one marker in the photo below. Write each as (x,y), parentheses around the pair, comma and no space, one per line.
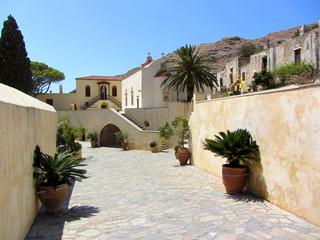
(302,48)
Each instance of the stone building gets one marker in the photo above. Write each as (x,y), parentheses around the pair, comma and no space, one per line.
(302,48)
(93,92)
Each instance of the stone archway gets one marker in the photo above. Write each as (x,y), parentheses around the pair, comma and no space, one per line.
(108,137)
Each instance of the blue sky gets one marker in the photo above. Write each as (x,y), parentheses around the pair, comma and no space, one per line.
(109,37)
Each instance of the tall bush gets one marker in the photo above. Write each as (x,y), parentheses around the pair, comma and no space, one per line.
(296,73)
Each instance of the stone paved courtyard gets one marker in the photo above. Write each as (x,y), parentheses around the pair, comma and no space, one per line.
(143,195)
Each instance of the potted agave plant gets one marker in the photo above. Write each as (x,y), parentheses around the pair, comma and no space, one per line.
(180,128)
(53,175)
(239,149)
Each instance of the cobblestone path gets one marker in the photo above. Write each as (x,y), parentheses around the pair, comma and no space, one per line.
(143,195)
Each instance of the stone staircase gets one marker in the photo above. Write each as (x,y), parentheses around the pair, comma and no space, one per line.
(164,147)
(133,121)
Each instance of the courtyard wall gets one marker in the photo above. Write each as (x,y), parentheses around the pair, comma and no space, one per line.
(156,117)
(24,123)
(96,120)
(285,123)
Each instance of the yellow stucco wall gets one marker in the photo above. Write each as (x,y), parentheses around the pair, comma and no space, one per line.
(24,123)
(286,125)
(96,120)
(95,90)
(61,101)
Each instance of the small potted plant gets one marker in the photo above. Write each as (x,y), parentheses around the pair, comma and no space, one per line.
(239,149)
(180,128)
(93,136)
(53,175)
(123,139)
(153,145)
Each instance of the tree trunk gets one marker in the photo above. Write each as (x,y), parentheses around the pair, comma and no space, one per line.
(190,90)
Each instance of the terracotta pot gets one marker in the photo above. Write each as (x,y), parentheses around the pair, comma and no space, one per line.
(124,145)
(234,179)
(53,199)
(93,144)
(154,149)
(183,154)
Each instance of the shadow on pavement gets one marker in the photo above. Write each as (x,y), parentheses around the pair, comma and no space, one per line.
(50,226)
(245,197)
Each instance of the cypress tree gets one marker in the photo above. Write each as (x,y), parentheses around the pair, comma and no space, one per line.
(15,68)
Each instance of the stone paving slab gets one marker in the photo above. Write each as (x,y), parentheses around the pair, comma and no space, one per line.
(143,195)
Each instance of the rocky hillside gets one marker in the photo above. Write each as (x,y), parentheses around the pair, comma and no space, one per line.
(227,48)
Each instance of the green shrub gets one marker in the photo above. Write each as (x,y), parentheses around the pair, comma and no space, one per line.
(93,136)
(297,73)
(246,50)
(296,33)
(180,129)
(67,134)
(266,79)
(153,144)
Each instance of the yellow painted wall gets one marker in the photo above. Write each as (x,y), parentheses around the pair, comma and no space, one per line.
(24,123)
(95,90)
(61,101)
(96,120)
(286,125)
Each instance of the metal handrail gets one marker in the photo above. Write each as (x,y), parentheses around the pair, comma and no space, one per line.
(97,98)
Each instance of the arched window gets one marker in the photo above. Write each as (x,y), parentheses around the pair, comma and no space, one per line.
(126,95)
(114,91)
(88,91)
(131,96)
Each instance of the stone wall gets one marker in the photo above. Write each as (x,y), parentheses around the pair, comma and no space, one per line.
(96,120)
(24,123)
(286,125)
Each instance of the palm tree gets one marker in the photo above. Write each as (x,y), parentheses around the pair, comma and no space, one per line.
(188,72)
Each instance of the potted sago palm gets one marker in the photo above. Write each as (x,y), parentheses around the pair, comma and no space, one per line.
(180,128)
(239,149)
(53,175)
(93,136)
(123,139)
(153,146)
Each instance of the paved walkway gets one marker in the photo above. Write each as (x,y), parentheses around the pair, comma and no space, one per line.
(144,195)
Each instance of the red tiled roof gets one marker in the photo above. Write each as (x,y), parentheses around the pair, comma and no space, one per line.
(106,78)
(161,73)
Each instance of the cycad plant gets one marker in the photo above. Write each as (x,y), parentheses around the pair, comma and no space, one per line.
(57,170)
(236,146)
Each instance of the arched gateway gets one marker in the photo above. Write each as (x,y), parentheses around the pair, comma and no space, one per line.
(108,137)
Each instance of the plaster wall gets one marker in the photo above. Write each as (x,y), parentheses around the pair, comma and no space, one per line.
(152,93)
(95,90)
(132,88)
(156,117)
(286,127)
(61,101)
(24,123)
(96,120)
